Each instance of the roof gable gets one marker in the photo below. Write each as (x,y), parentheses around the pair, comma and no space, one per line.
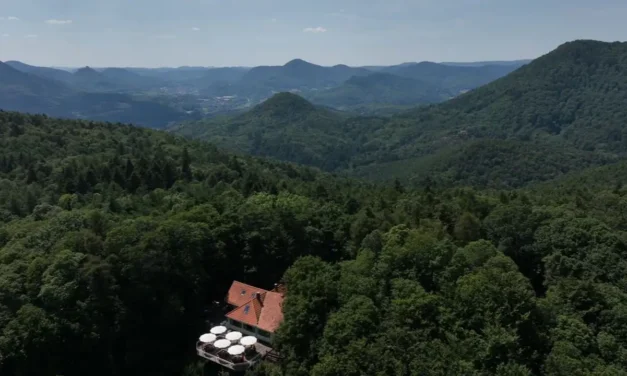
(248,313)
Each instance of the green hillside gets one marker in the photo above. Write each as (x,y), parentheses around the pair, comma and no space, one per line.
(571,96)
(119,239)
(490,163)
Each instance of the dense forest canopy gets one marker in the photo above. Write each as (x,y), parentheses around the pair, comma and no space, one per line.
(117,239)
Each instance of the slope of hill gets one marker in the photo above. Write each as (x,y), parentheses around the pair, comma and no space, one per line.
(452,79)
(26,92)
(377,89)
(108,232)
(516,63)
(492,163)
(44,72)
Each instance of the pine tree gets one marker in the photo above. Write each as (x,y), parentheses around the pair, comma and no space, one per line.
(129,169)
(31,176)
(134,183)
(185,165)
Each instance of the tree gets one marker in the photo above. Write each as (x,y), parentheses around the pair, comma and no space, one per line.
(186,165)
(467,228)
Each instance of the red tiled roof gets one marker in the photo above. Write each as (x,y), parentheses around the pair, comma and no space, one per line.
(241,293)
(272,312)
(264,311)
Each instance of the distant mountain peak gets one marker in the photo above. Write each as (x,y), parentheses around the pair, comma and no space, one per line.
(298,62)
(86,71)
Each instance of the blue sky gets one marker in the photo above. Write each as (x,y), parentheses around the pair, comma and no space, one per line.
(256,32)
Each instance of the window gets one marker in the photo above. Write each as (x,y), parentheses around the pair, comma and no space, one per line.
(249,328)
(235,323)
(263,333)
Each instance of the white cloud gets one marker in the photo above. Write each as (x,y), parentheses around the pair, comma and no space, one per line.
(10,18)
(273,20)
(30,36)
(195,29)
(5,35)
(58,22)
(167,36)
(316,30)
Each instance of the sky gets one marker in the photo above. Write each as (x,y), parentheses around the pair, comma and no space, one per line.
(158,33)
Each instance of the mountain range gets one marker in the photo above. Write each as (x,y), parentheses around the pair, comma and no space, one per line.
(34,93)
(559,113)
(193,92)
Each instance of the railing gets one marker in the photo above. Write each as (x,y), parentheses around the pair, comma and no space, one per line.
(222,357)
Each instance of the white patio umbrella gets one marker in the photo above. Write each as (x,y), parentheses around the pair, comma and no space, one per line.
(222,344)
(233,336)
(218,329)
(236,350)
(248,341)
(207,338)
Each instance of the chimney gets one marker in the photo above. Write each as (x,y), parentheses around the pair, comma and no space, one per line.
(258,296)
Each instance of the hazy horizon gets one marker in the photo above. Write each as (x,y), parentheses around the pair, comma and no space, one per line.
(70,67)
(217,33)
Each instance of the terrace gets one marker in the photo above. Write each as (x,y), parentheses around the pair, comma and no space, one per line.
(230,349)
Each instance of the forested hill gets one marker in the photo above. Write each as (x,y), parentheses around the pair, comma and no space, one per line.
(572,96)
(285,127)
(118,239)
(568,100)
